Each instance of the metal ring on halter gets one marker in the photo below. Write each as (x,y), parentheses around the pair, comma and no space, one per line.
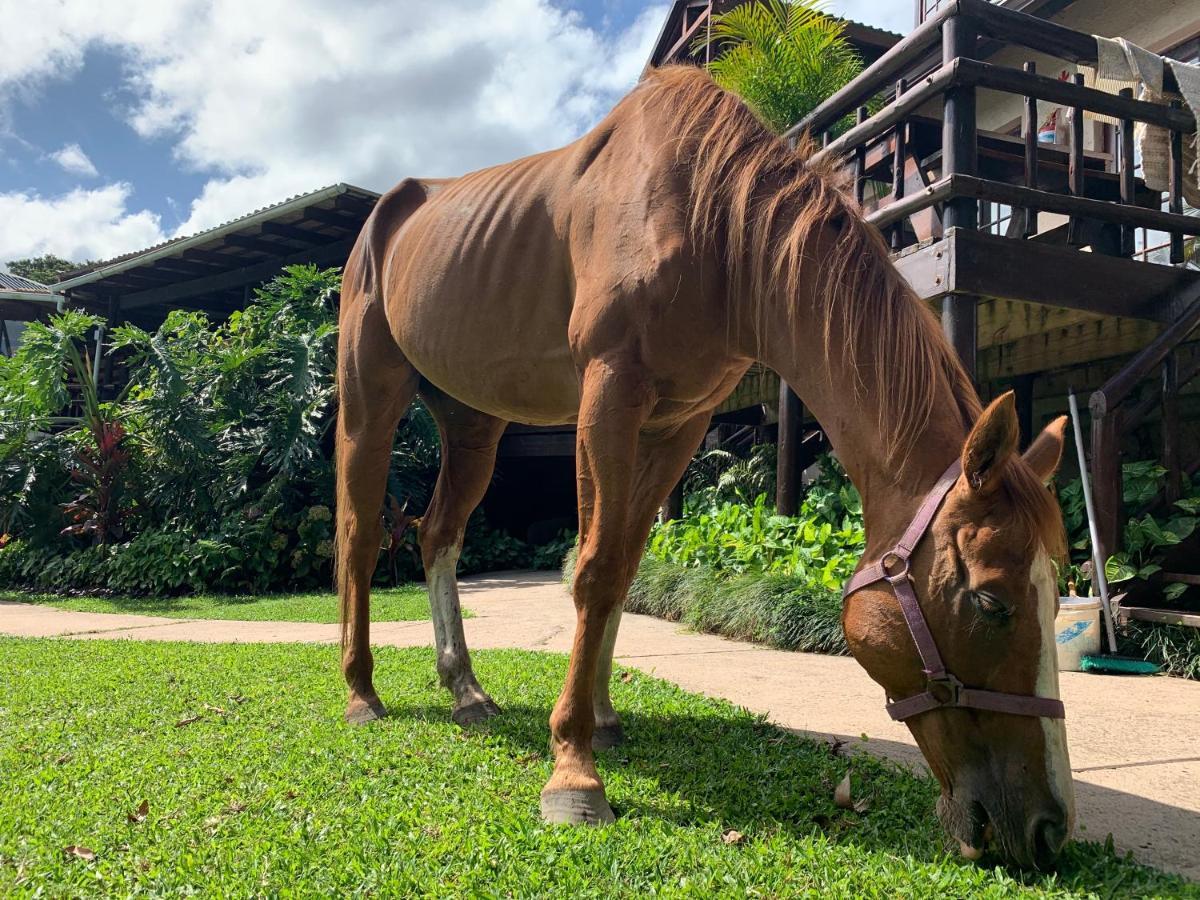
(945,689)
(885,564)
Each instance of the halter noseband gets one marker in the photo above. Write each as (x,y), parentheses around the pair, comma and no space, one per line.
(942,689)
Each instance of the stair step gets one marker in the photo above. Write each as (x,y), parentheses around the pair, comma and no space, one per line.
(1180,578)
(1162,616)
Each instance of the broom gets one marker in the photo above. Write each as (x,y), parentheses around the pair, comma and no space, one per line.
(1108,662)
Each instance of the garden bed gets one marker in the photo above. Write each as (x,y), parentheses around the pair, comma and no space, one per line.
(218,769)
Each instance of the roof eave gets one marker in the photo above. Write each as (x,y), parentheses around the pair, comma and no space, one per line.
(174,248)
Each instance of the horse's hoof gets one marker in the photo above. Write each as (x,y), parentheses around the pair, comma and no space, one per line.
(475,713)
(362,710)
(605,737)
(576,807)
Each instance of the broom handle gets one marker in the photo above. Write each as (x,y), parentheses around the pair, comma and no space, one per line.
(1097,563)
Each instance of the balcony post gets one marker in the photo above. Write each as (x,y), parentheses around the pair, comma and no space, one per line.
(787,460)
(960,157)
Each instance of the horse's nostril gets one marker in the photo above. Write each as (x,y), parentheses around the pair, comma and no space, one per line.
(1049,836)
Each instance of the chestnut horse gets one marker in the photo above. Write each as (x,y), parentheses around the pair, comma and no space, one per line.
(625,283)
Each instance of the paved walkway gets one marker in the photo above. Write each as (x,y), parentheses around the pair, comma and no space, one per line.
(1135,742)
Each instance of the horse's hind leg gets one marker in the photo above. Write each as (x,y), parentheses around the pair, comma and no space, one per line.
(375,386)
(469,440)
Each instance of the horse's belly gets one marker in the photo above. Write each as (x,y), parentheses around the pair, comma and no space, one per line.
(503,353)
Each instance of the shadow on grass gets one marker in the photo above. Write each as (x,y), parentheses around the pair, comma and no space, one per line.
(747,775)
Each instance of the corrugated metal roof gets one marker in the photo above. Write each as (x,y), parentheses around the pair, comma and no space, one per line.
(105,263)
(10,282)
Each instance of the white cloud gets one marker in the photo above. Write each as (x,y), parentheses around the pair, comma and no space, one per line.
(277,97)
(79,225)
(72,158)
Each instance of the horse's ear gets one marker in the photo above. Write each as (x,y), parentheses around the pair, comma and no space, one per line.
(991,444)
(1045,453)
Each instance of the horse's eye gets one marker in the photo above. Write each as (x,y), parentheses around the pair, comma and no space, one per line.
(989,605)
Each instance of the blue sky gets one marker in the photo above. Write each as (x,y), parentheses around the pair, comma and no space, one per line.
(124,122)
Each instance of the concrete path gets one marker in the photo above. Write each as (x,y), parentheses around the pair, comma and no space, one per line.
(1135,742)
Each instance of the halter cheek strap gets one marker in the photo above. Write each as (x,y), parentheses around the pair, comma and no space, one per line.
(942,688)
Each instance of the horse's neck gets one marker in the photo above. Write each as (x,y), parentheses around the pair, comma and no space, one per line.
(892,481)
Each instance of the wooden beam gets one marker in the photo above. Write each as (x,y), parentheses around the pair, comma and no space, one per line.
(1005,321)
(329,254)
(257,244)
(1070,346)
(1007,269)
(225,260)
(331,217)
(1162,616)
(292,233)
(1085,207)
(185,266)
(353,204)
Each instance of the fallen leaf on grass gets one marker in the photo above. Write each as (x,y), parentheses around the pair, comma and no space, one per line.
(841,793)
(861,806)
(234,808)
(214,709)
(237,698)
(64,759)
(80,852)
(732,837)
(139,815)
(291,795)
(627,676)
(188,721)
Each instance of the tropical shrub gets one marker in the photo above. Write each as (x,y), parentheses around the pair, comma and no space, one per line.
(783,57)
(1145,538)
(212,470)
(721,476)
(820,546)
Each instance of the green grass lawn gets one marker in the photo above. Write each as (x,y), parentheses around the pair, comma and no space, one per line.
(253,786)
(387,605)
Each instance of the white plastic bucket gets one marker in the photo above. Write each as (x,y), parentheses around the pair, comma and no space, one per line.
(1076,631)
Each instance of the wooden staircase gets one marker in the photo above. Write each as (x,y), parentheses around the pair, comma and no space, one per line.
(1117,408)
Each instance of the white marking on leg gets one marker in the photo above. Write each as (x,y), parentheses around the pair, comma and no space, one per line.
(453,661)
(1058,761)
(602,702)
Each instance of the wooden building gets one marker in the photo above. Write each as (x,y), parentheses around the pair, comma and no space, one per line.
(21,301)
(1051,263)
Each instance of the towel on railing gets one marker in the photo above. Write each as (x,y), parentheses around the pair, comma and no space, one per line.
(1121,64)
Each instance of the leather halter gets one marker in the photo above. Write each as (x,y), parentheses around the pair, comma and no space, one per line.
(942,689)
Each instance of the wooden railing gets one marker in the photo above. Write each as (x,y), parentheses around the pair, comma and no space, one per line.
(1116,410)
(910,75)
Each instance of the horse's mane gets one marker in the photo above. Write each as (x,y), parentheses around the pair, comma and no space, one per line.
(768,205)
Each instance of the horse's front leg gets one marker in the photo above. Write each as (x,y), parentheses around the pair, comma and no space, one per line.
(662,458)
(613,406)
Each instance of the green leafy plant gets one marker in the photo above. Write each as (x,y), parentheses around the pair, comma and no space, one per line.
(782,58)
(820,546)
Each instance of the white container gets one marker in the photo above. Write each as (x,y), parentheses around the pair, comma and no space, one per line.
(1076,631)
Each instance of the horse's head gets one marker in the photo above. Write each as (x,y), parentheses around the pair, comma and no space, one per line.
(985,582)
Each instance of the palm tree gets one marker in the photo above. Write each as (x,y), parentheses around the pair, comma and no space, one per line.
(783,57)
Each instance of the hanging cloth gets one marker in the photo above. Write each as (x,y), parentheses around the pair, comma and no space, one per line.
(1121,64)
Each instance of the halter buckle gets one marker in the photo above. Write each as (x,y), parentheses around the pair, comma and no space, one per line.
(945,689)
